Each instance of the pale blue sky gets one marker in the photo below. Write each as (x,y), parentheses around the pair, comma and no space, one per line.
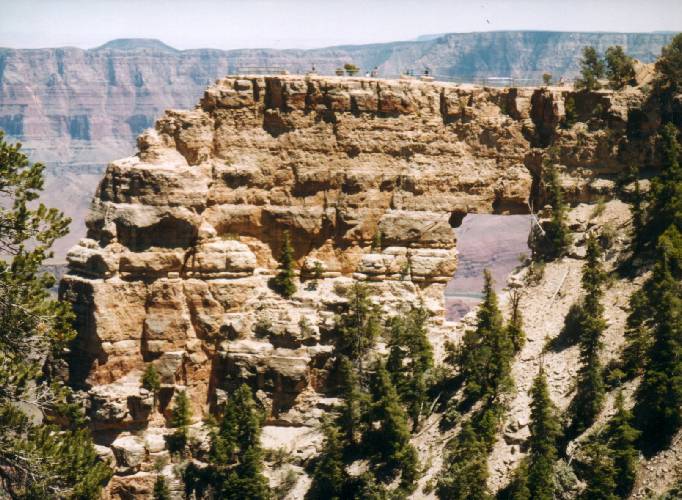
(229,24)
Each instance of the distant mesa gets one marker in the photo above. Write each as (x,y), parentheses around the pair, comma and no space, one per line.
(128,44)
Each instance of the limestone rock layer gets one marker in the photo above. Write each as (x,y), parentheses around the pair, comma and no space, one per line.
(183,237)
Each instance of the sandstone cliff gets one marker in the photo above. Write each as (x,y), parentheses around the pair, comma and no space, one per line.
(76,109)
(182,236)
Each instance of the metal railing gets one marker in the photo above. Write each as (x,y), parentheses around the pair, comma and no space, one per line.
(483,81)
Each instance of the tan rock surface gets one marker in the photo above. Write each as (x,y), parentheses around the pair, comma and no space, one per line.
(184,236)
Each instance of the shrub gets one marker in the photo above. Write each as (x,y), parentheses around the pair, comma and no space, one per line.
(283,283)
(591,70)
(619,67)
(351,69)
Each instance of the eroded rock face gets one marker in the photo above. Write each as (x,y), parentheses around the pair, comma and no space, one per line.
(183,237)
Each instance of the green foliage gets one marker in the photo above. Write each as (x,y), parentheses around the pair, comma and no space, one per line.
(351,69)
(570,115)
(590,395)
(329,477)
(388,433)
(151,381)
(669,65)
(235,469)
(622,439)
(591,70)
(637,334)
(359,326)
(410,359)
(544,431)
(284,282)
(355,403)
(515,331)
(555,241)
(619,67)
(37,460)
(465,472)
(518,486)
(665,194)
(600,472)
(658,410)
(181,417)
(547,79)
(486,352)
(161,491)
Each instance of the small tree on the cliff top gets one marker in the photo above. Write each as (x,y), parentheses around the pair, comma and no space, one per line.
(283,283)
(669,65)
(619,67)
(37,460)
(591,70)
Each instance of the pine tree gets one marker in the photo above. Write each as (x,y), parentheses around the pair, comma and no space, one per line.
(665,194)
(556,238)
(620,69)
(622,438)
(329,477)
(410,358)
(515,331)
(591,70)
(600,472)
(669,65)
(284,282)
(658,410)
(465,472)
(161,491)
(544,431)
(389,434)
(359,326)
(355,402)
(518,487)
(637,211)
(37,459)
(637,332)
(590,396)
(181,417)
(235,471)
(486,352)
(151,381)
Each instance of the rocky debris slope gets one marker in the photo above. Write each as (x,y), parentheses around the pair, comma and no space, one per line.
(76,109)
(183,237)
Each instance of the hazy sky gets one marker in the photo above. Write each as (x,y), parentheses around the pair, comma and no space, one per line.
(230,24)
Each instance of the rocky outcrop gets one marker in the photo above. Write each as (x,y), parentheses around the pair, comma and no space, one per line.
(183,236)
(76,109)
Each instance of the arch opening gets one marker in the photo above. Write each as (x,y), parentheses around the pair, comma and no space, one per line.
(484,241)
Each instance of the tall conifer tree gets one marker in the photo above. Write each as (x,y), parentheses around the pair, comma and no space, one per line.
(544,431)
(590,396)
(38,459)
(486,352)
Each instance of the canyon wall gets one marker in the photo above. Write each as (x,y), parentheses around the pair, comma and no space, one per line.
(183,237)
(76,109)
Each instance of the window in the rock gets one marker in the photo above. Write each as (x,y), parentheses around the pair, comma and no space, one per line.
(484,241)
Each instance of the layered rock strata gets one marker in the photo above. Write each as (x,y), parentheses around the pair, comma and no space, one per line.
(183,236)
